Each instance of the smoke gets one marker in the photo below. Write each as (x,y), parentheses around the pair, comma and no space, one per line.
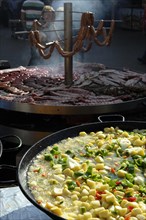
(101,9)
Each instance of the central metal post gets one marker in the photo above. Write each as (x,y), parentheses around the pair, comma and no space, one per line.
(68,61)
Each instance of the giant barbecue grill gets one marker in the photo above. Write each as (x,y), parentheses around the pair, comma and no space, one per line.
(38,100)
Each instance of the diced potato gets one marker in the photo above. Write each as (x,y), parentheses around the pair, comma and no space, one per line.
(73,164)
(91,183)
(136,151)
(82,133)
(60,177)
(84,166)
(125,134)
(121,211)
(49,205)
(107,129)
(135,187)
(53,181)
(85,192)
(136,211)
(124,142)
(91,198)
(66,192)
(121,173)
(105,204)
(99,166)
(99,159)
(102,187)
(68,172)
(138,142)
(86,205)
(78,189)
(60,198)
(74,197)
(56,210)
(95,204)
(91,144)
(104,214)
(100,143)
(86,187)
(92,192)
(124,203)
(141,216)
(79,217)
(133,204)
(119,193)
(84,198)
(143,207)
(141,152)
(33,183)
(57,191)
(77,203)
(58,168)
(87,216)
(110,198)
(72,215)
(139,180)
(105,178)
(102,172)
(76,193)
(98,210)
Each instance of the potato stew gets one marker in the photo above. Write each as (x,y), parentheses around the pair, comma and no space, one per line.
(100,175)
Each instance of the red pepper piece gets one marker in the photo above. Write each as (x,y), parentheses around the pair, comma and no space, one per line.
(131,199)
(130,208)
(113,170)
(127,217)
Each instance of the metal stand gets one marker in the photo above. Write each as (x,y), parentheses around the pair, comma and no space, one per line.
(86,31)
(68,61)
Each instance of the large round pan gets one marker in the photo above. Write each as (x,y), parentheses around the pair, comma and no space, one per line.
(53,138)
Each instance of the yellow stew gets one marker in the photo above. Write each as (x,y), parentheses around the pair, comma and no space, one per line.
(95,176)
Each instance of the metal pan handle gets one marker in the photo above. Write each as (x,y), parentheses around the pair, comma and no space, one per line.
(113,117)
(8,174)
(11,138)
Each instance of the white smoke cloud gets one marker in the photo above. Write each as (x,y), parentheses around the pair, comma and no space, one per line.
(100,8)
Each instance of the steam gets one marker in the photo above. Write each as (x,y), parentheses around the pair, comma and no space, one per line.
(100,8)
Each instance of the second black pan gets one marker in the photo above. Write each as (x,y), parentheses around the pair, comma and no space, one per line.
(53,138)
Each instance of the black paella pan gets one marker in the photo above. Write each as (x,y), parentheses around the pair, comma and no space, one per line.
(58,136)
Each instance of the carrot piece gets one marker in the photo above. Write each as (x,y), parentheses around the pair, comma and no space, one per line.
(78,183)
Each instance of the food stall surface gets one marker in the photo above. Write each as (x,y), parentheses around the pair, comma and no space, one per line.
(14,205)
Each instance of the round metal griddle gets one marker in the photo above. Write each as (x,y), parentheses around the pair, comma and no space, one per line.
(34,121)
(74,110)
